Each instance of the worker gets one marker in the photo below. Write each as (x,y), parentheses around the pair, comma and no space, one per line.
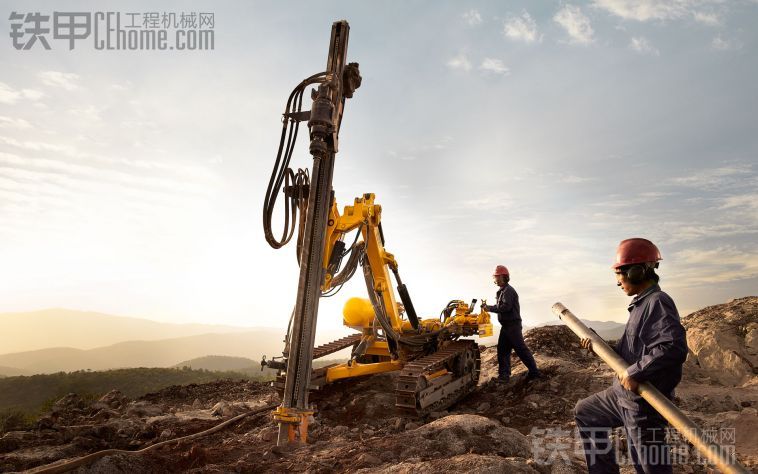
(509,315)
(654,345)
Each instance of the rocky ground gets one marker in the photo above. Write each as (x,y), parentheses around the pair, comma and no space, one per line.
(519,427)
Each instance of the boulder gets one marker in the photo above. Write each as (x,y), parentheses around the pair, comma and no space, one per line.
(723,340)
(114,399)
(71,401)
(222,409)
(460,434)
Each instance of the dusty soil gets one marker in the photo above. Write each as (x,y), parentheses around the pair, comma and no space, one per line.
(518,427)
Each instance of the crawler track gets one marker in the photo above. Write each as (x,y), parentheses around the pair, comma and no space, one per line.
(336,346)
(436,381)
(318,376)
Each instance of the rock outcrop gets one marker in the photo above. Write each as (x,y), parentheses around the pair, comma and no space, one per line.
(723,340)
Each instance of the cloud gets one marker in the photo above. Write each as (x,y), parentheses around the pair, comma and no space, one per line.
(137,165)
(459,62)
(136,172)
(472,17)
(643,46)
(63,80)
(65,172)
(744,201)
(710,19)
(706,266)
(617,201)
(59,195)
(489,202)
(721,44)
(576,24)
(693,231)
(571,179)
(88,113)
(494,65)
(120,87)
(741,209)
(661,10)
(642,10)
(523,224)
(713,178)
(421,150)
(9,95)
(10,122)
(37,146)
(521,28)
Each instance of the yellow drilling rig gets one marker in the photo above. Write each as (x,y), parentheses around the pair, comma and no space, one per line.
(437,366)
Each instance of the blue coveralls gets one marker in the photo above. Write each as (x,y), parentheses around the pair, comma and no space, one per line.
(509,315)
(655,344)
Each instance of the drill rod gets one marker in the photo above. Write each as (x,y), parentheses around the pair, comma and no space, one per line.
(718,455)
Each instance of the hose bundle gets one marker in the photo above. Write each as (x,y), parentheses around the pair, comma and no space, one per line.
(296,184)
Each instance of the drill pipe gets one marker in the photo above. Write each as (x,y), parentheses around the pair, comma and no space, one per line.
(715,453)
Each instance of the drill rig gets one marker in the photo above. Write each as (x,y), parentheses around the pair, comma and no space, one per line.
(437,367)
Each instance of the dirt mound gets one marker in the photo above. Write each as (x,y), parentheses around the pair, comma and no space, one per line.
(208,394)
(723,341)
(460,434)
(555,341)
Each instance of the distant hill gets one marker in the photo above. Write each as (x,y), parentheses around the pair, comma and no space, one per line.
(216,362)
(88,330)
(243,365)
(11,372)
(161,353)
(29,394)
(608,330)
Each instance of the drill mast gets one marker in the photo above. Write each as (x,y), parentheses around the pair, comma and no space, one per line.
(323,123)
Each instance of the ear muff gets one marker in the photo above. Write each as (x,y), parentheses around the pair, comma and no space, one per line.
(636,274)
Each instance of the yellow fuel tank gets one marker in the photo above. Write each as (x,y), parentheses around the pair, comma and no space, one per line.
(358,313)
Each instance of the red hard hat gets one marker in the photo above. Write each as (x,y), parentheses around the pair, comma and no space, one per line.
(636,250)
(501,270)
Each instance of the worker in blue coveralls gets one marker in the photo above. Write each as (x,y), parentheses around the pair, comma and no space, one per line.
(509,315)
(655,345)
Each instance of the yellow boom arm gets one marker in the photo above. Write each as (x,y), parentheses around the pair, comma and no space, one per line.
(366,215)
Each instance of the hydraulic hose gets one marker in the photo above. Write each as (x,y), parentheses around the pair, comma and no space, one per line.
(296,185)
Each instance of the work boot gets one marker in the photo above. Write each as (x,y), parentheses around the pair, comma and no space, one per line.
(534,376)
(502,379)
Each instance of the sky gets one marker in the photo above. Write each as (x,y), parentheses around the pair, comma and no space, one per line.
(532,134)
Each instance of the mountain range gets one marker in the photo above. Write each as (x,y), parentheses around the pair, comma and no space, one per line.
(79,340)
(57,327)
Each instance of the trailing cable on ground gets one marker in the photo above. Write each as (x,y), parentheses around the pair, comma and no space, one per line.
(65,466)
